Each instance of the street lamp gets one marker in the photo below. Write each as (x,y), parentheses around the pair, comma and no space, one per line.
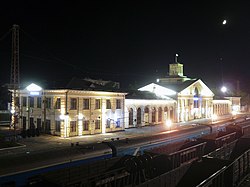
(169,124)
(223,89)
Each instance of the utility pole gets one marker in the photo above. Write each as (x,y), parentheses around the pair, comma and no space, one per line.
(15,77)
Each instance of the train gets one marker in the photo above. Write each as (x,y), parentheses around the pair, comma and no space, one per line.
(147,165)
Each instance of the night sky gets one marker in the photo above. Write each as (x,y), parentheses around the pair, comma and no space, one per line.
(131,42)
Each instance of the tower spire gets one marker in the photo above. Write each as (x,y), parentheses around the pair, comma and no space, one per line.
(176,58)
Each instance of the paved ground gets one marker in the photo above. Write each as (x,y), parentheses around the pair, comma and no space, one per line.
(47,149)
(45,142)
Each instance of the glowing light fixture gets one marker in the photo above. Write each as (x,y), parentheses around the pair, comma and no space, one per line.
(33,88)
(168,123)
(224,22)
(80,116)
(62,117)
(158,90)
(223,89)
(12,111)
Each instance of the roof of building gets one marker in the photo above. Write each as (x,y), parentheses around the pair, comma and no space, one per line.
(136,94)
(92,85)
(178,86)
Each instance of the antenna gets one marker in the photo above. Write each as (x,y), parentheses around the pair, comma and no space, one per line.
(14,76)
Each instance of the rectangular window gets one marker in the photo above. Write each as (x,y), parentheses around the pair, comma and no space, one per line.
(97,104)
(58,126)
(97,124)
(39,102)
(108,104)
(85,104)
(118,103)
(72,126)
(24,101)
(47,126)
(108,123)
(58,103)
(86,125)
(73,104)
(31,102)
(39,124)
(48,102)
(118,123)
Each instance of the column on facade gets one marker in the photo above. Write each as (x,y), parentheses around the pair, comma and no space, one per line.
(178,110)
(103,105)
(156,114)
(65,128)
(80,125)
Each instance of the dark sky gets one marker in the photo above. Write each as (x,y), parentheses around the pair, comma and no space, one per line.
(130,42)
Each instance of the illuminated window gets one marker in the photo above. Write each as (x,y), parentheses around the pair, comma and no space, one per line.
(196,98)
(97,124)
(108,104)
(97,104)
(86,125)
(72,126)
(118,123)
(58,103)
(118,103)
(39,102)
(85,104)
(73,104)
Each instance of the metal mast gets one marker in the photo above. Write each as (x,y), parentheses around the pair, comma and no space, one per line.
(15,77)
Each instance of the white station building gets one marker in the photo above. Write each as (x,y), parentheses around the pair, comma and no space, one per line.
(87,106)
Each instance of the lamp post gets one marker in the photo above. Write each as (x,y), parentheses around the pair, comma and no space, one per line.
(169,124)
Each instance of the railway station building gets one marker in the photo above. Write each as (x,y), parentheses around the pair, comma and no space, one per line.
(88,106)
(194,99)
(82,108)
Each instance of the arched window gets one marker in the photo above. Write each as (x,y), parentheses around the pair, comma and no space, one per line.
(196,97)
(131,111)
(153,115)
(165,109)
(159,114)
(138,116)
(171,113)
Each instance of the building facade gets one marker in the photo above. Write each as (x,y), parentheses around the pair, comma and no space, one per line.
(140,111)
(93,106)
(194,100)
(71,112)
